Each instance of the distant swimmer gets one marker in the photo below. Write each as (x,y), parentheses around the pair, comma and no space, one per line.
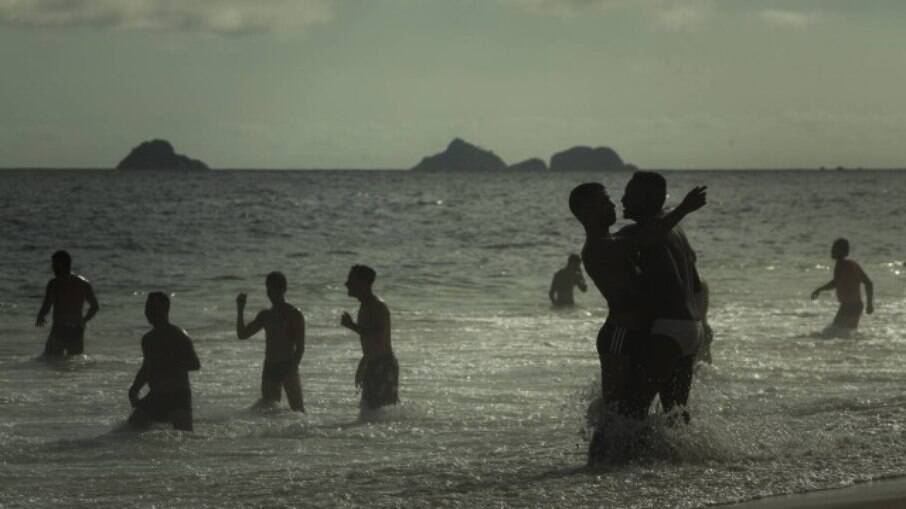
(284,342)
(168,356)
(671,286)
(67,294)
(623,341)
(378,371)
(848,278)
(565,279)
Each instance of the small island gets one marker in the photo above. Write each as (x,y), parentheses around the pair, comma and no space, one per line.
(463,157)
(159,155)
(533,164)
(587,159)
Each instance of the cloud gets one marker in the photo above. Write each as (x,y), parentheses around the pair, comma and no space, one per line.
(215,16)
(667,14)
(788,19)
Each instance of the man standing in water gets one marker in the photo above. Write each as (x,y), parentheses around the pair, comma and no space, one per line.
(168,358)
(848,278)
(67,294)
(284,342)
(561,291)
(378,371)
(670,284)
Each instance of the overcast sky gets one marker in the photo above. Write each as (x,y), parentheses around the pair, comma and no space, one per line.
(381,83)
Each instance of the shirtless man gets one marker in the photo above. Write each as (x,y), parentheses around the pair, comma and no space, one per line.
(168,358)
(623,340)
(671,284)
(561,291)
(284,343)
(67,294)
(848,278)
(378,371)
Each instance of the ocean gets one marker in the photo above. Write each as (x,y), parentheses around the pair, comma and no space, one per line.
(494,382)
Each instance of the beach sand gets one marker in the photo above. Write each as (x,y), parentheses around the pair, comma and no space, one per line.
(887,494)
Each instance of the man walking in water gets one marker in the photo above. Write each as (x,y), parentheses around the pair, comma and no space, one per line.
(378,371)
(670,284)
(561,291)
(848,278)
(168,356)
(67,294)
(284,343)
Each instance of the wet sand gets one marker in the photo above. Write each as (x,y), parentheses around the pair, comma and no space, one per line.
(887,494)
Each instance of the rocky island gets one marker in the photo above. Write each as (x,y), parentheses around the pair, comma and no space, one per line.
(533,164)
(159,155)
(462,156)
(587,159)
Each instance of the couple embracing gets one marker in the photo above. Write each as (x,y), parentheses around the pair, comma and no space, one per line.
(646,273)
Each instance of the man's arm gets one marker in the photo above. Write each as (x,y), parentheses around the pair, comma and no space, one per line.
(580,281)
(93,306)
(299,338)
(190,360)
(659,227)
(869,292)
(244,331)
(46,305)
(141,378)
(823,288)
(552,293)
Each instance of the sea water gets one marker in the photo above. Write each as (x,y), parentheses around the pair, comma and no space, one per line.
(494,382)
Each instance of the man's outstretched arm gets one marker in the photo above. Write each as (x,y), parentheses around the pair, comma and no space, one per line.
(244,331)
(869,292)
(823,288)
(45,306)
(659,227)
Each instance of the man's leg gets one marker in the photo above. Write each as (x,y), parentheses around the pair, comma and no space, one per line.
(292,384)
(53,347)
(675,392)
(182,419)
(139,420)
(270,388)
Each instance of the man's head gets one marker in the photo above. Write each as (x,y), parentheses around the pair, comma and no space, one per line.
(359,281)
(645,195)
(573,261)
(840,249)
(591,205)
(157,308)
(61,263)
(276,286)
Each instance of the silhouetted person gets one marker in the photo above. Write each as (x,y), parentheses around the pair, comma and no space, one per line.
(704,303)
(623,341)
(284,342)
(671,282)
(168,356)
(67,294)
(565,279)
(378,371)
(848,278)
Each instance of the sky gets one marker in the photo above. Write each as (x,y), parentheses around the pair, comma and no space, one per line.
(382,83)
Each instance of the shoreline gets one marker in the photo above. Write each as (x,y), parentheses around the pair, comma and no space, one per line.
(889,493)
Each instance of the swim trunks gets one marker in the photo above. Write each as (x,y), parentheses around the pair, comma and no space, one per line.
(617,340)
(379,378)
(160,406)
(848,315)
(65,338)
(687,333)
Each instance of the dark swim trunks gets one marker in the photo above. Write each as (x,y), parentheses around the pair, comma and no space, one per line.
(277,371)
(379,380)
(160,406)
(620,341)
(68,339)
(848,315)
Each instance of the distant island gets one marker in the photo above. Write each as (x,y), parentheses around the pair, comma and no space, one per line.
(159,155)
(462,156)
